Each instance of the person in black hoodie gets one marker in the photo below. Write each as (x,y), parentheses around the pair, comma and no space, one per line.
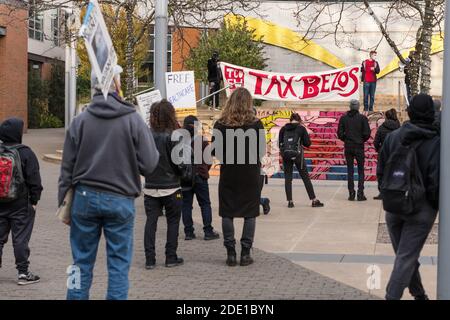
(18,216)
(354,130)
(408,233)
(200,186)
(163,187)
(293,137)
(390,124)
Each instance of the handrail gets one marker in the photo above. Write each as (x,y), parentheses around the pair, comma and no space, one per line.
(214,93)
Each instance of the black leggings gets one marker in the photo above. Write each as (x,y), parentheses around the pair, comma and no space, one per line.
(288,167)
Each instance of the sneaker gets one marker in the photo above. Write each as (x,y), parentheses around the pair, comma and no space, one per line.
(378,197)
(362,197)
(290,204)
(317,204)
(190,236)
(174,263)
(27,278)
(266,207)
(211,236)
(150,265)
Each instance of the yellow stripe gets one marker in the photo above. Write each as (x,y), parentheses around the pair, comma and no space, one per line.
(437,45)
(286,38)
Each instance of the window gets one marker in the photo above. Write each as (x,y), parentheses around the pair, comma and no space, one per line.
(148,66)
(56,27)
(35,26)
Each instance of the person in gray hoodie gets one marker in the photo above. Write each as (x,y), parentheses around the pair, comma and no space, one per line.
(106,150)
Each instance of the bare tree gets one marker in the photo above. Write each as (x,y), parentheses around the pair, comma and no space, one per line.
(323,19)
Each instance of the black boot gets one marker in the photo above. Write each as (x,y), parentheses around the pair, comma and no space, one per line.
(352,195)
(246,259)
(231,257)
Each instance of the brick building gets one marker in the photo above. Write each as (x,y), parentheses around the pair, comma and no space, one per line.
(13,60)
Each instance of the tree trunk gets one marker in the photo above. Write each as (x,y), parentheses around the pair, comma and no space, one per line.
(427,34)
(416,62)
(129,53)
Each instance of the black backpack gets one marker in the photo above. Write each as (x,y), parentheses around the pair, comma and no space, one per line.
(291,145)
(402,186)
(187,171)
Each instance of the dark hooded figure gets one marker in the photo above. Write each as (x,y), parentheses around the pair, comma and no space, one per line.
(18,215)
(408,233)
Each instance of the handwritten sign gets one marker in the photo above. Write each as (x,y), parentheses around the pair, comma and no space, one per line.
(180,88)
(145,102)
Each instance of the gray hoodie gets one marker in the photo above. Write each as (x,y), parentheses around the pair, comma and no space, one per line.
(107,147)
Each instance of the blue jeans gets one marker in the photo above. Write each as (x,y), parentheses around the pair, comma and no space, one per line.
(369,92)
(92,212)
(201,191)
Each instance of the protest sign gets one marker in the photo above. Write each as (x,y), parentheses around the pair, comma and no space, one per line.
(99,46)
(145,102)
(334,85)
(180,88)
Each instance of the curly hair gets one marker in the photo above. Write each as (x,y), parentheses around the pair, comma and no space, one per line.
(391,114)
(238,110)
(162,116)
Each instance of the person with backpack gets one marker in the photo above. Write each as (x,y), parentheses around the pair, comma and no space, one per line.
(390,124)
(106,150)
(408,169)
(293,137)
(198,187)
(163,186)
(354,131)
(369,70)
(238,129)
(20,192)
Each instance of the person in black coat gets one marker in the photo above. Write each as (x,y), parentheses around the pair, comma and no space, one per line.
(239,143)
(300,138)
(163,187)
(354,130)
(409,233)
(214,78)
(390,124)
(18,216)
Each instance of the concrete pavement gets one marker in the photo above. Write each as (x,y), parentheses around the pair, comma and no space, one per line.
(302,253)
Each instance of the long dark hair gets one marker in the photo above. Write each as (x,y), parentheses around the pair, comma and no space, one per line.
(391,114)
(162,116)
(296,117)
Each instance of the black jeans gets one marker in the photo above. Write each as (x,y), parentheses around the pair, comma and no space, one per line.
(20,223)
(288,167)
(408,235)
(248,232)
(215,100)
(350,155)
(201,191)
(153,209)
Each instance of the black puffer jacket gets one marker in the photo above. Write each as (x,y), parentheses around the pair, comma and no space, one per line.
(387,127)
(428,154)
(354,130)
(11,131)
(166,175)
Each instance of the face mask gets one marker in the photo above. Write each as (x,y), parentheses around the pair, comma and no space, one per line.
(374,57)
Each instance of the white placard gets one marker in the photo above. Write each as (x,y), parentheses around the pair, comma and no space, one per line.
(145,102)
(99,46)
(180,88)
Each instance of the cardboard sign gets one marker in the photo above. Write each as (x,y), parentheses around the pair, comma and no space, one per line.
(99,46)
(180,88)
(334,85)
(145,102)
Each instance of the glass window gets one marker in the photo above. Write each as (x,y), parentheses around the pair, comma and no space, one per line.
(35,26)
(56,27)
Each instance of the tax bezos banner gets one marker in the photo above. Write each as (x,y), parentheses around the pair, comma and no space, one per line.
(333,86)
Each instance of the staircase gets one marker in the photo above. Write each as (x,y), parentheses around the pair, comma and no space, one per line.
(54,158)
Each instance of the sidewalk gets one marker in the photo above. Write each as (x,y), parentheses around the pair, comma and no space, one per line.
(302,253)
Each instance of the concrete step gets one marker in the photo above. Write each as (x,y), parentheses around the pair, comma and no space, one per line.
(53,158)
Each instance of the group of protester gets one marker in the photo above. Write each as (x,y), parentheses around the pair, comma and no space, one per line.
(108,147)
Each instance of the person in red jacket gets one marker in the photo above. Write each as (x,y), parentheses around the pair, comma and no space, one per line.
(369,70)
